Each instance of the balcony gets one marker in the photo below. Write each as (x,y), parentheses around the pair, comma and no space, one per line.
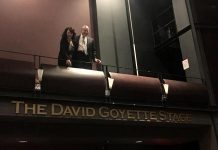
(21,79)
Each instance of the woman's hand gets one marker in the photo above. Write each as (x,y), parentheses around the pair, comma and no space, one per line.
(68,63)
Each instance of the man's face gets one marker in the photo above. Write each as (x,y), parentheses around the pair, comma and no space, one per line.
(85,31)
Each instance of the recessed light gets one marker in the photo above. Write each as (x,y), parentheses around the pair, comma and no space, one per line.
(138,142)
(22,141)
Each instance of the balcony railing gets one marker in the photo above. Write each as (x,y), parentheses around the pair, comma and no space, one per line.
(48,81)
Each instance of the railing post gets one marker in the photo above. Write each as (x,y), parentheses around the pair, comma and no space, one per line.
(107,89)
(164,94)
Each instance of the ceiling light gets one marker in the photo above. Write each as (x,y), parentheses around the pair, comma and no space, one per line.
(138,142)
(22,141)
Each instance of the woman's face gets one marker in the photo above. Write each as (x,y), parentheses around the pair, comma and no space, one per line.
(69,34)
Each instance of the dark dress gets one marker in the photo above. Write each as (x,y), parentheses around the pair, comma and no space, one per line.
(65,53)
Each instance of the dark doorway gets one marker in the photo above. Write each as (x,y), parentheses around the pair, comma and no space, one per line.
(185,146)
(171,58)
(98,146)
(156,39)
(50,135)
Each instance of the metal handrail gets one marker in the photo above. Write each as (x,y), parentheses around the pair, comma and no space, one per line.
(156,74)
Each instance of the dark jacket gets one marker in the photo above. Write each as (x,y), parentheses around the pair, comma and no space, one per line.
(91,49)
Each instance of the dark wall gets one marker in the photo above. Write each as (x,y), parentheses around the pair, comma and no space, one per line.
(189,49)
(151,20)
(206,26)
(35,26)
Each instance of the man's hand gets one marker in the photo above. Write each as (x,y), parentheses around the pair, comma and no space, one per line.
(98,61)
(68,63)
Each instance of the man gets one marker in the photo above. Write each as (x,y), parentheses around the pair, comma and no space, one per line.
(85,51)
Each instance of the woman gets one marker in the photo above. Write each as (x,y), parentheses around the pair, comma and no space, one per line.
(66,47)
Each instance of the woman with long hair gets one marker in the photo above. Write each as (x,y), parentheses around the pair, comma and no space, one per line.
(66,47)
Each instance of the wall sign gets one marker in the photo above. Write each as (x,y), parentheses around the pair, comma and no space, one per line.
(60,110)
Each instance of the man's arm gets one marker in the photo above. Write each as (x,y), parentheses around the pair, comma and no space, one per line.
(94,53)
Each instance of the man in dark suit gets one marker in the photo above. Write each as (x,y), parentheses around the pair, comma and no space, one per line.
(85,51)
